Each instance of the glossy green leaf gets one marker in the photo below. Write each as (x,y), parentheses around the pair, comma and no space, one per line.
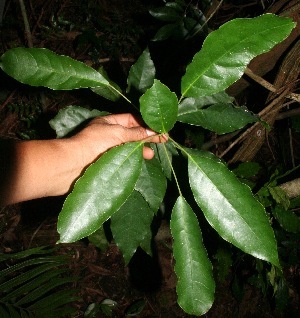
(70,117)
(220,118)
(195,104)
(111,92)
(287,219)
(166,14)
(165,32)
(164,152)
(135,308)
(247,169)
(130,225)
(195,286)
(230,208)
(152,183)
(195,27)
(98,238)
(227,51)
(107,306)
(142,73)
(100,192)
(159,107)
(92,310)
(42,67)
(279,196)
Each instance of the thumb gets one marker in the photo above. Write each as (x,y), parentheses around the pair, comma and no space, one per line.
(139,133)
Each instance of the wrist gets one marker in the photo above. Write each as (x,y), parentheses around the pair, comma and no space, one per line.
(41,168)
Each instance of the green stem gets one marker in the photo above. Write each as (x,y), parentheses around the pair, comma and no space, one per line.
(177,145)
(173,171)
(128,100)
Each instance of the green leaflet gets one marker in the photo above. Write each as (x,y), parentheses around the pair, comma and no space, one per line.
(164,153)
(159,107)
(220,118)
(70,117)
(165,32)
(98,238)
(152,183)
(194,104)
(42,67)
(142,73)
(279,196)
(130,226)
(166,13)
(100,192)
(111,92)
(230,207)
(287,219)
(227,51)
(195,286)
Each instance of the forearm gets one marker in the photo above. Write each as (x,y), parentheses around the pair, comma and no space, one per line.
(40,168)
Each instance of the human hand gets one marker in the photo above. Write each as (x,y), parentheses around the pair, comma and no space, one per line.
(50,167)
(104,133)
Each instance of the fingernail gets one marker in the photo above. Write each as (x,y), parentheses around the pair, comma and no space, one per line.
(165,137)
(150,132)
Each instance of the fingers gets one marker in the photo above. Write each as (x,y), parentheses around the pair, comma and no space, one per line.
(135,130)
(125,120)
(148,153)
(146,134)
(113,130)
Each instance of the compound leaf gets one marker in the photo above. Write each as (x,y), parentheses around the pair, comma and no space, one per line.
(130,225)
(195,287)
(227,51)
(42,67)
(230,207)
(104,187)
(159,107)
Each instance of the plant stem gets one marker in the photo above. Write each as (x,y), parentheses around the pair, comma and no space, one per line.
(128,100)
(26,24)
(269,86)
(173,171)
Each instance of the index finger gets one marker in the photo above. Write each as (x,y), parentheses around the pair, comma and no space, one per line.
(126,120)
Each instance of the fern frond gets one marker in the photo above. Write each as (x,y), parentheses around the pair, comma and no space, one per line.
(36,287)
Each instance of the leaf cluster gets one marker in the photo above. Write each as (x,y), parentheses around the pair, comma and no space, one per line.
(121,186)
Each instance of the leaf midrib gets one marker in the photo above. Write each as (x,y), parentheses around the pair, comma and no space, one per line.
(222,55)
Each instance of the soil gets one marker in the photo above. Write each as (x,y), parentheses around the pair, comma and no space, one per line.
(102,274)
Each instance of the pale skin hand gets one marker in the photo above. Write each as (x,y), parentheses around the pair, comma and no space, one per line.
(44,168)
